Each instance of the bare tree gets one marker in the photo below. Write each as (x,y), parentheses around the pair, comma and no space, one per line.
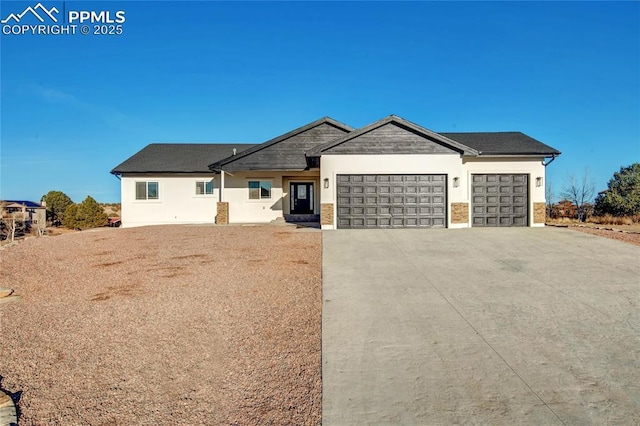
(550,197)
(12,225)
(580,192)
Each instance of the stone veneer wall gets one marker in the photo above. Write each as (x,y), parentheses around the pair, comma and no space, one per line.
(222,218)
(326,214)
(459,212)
(539,212)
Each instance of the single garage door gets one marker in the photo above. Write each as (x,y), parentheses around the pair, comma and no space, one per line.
(500,200)
(391,201)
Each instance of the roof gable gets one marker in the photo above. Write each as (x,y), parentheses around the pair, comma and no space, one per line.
(285,152)
(177,158)
(392,135)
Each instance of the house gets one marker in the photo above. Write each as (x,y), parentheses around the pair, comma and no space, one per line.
(391,173)
(32,214)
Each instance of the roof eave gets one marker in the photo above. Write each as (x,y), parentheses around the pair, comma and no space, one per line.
(519,154)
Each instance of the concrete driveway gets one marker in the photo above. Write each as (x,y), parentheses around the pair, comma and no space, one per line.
(487,326)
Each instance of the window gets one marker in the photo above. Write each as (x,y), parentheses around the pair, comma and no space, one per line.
(204,187)
(259,189)
(146,190)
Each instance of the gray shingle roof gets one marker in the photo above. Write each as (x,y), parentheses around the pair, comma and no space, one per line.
(502,143)
(285,152)
(177,157)
(426,135)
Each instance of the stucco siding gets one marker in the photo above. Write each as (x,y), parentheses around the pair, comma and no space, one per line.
(245,210)
(177,201)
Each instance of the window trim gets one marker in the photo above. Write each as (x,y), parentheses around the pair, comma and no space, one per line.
(205,193)
(146,190)
(259,188)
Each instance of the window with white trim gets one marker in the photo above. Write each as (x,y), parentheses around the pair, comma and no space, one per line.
(204,187)
(146,190)
(259,189)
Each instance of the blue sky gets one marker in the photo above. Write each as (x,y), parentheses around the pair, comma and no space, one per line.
(75,106)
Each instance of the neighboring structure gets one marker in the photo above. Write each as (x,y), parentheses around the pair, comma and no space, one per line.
(392,173)
(33,214)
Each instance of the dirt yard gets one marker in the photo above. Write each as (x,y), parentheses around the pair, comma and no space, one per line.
(613,232)
(164,325)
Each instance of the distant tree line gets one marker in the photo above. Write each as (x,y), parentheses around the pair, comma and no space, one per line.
(620,199)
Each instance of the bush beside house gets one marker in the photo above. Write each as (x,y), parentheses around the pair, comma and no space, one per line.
(87,214)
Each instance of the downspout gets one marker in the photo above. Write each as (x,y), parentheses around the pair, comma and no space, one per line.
(553,157)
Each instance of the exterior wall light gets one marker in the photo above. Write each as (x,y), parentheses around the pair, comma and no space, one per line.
(456,182)
(325,183)
(539,181)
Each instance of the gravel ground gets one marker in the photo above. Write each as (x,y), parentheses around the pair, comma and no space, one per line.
(164,325)
(628,237)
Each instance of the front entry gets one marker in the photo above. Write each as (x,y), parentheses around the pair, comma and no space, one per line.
(301,198)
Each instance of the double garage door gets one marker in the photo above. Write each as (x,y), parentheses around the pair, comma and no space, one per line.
(392,201)
(420,201)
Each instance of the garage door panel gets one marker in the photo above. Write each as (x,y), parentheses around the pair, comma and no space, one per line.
(410,211)
(384,221)
(410,222)
(396,222)
(391,201)
(499,200)
(519,221)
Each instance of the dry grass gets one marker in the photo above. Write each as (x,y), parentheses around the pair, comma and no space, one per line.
(615,220)
(625,223)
